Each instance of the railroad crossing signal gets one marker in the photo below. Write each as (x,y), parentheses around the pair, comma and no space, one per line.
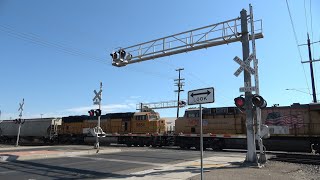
(190,40)
(244,65)
(257,101)
(240,102)
(91,112)
(19,121)
(98,112)
(21,107)
(97,98)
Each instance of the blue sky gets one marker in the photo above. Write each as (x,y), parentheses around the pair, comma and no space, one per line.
(55,53)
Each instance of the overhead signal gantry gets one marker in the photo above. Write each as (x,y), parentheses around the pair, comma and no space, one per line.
(225,32)
(208,36)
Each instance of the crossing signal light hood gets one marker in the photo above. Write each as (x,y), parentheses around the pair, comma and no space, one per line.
(91,112)
(258,101)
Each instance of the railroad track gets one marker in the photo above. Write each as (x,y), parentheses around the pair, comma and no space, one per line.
(296,158)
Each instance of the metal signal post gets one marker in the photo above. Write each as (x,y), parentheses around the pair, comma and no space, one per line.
(262,154)
(97,101)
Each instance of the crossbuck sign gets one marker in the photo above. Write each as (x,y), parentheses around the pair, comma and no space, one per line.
(201,96)
(21,107)
(97,98)
(244,65)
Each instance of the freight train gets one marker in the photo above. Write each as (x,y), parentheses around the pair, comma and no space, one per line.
(291,128)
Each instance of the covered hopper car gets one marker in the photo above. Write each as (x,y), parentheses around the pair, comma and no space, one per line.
(32,130)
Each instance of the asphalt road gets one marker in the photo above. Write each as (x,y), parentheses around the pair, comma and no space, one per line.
(97,166)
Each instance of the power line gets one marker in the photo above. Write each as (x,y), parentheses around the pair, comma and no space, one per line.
(312,37)
(35,39)
(296,39)
(199,81)
(305,15)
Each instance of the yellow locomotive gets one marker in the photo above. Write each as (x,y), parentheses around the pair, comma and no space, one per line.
(128,128)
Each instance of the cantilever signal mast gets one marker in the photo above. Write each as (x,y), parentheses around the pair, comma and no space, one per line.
(233,30)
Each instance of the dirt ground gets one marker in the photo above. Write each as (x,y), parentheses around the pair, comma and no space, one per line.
(272,170)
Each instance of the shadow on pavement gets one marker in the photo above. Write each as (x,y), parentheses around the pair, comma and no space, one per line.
(57,172)
(8,157)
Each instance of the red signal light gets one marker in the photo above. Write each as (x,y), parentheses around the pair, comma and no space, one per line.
(239,102)
(91,112)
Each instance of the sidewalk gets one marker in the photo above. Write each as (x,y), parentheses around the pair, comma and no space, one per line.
(183,170)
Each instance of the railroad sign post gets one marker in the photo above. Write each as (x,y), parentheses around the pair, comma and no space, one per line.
(97,101)
(20,120)
(201,96)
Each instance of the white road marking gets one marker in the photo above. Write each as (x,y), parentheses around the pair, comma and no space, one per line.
(6,172)
(119,160)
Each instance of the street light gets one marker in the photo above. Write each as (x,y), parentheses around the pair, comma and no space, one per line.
(292,89)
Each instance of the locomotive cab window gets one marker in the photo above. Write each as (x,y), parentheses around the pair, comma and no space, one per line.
(192,114)
(141,117)
(153,117)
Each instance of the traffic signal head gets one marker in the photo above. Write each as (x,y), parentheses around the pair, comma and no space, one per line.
(122,54)
(239,102)
(258,101)
(114,55)
(182,103)
(98,112)
(91,112)
(129,57)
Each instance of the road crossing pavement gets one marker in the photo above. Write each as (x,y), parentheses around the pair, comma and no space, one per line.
(125,163)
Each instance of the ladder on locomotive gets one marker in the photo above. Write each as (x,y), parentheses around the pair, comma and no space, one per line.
(53,129)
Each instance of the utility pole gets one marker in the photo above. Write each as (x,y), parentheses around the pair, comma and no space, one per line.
(251,153)
(180,84)
(311,68)
(311,71)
